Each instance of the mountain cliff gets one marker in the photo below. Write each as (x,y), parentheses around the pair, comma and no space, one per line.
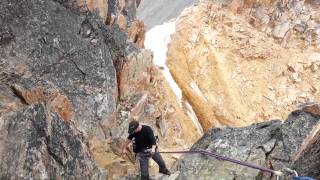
(86,73)
(242,62)
(73,75)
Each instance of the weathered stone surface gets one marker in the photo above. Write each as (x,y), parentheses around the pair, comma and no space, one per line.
(54,46)
(271,144)
(122,22)
(121,7)
(110,10)
(100,5)
(37,144)
(309,162)
(5,35)
(134,74)
(55,101)
(223,62)
(137,32)
(56,53)
(8,101)
(281,30)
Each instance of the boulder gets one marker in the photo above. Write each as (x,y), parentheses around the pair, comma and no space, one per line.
(275,144)
(38,144)
(49,45)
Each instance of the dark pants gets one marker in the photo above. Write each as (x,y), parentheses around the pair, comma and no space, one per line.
(144,163)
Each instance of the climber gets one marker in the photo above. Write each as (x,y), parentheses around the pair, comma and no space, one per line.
(144,146)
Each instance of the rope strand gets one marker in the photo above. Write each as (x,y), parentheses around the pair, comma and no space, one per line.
(219,157)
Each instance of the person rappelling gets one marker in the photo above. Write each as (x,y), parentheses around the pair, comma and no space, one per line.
(145,147)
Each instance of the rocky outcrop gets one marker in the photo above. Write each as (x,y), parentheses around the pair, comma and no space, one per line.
(36,143)
(112,11)
(275,144)
(61,50)
(308,161)
(120,12)
(63,56)
(69,81)
(236,69)
(101,6)
(59,55)
(55,101)
(288,20)
(137,32)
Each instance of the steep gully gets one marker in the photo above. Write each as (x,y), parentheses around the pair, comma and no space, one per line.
(157,40)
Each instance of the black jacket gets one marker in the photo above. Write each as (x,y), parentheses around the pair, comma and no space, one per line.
(143,139)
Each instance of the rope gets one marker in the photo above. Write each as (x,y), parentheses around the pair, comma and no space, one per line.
(291,171)
(219,157)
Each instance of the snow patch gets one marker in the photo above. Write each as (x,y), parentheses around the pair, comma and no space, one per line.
(157,40)
(197,90)
(193,117)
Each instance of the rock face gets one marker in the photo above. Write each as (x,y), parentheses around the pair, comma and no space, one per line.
(111,11)
(96,5)
(120,12)
(308,162)
(38,144)
(137,33)
(55,49)
(63,56)
(239,62)
(71,79)
(275,144)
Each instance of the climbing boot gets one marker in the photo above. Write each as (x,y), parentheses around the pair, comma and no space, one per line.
(165,171)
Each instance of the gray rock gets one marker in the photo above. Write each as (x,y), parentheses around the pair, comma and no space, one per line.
(5,35)
(281,29)
(129,9)
(38,144)
(270,144)
(64,48)
(309,161)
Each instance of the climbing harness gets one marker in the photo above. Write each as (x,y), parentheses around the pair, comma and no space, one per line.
(219,157)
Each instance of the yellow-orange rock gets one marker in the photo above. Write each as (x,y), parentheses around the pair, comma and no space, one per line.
(61,104)
(100,5)
(55,101)
(312,109)
(234,74)
(137,33)
(236,6)
(32,96)
(134,74)
(122,22)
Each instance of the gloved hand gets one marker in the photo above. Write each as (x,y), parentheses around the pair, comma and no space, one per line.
(150,152)
(153,150)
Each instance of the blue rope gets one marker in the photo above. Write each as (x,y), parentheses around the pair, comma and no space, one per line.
(302,178)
